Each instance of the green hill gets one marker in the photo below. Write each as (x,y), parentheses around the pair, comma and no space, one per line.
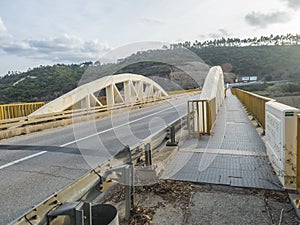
(175,63)
(266,62)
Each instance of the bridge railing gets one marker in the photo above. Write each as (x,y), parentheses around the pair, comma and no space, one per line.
(10,111)
(254,103)
(281,124)
(206,111)
(28,124)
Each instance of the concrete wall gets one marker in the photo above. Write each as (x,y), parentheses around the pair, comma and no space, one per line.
(281,141)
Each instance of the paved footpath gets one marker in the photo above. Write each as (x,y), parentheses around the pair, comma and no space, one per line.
(234,154)
(224,178)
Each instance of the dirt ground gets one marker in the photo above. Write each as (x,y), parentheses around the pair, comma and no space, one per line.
(176,202)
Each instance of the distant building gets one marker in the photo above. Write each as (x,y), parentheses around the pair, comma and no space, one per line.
(249,79)
(245,79)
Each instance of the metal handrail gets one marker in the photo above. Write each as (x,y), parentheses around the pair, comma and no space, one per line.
(254,103)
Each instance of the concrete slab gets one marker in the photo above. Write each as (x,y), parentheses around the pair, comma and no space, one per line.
(225,208)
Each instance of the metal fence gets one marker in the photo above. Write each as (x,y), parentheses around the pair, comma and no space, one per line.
(10,111)
(254,103)
(201,116)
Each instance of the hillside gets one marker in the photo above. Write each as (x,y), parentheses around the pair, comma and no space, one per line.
(185,68)
(40,84)
(266,62)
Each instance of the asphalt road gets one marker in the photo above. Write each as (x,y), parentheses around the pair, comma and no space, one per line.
(34,166)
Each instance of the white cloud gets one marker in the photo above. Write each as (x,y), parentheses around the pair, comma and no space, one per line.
(219,33)
(3,29)
(151,20)
(263,20)
(62,48)
(294,4)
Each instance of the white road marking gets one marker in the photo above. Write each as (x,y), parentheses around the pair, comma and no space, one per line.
(116,127)
(23,159)
(81,139)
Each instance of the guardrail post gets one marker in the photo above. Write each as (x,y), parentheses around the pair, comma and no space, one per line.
(87,213)
(128,190)
(148,156)
(79,214)
(172,142)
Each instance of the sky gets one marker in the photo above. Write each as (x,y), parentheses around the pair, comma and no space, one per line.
(43,32)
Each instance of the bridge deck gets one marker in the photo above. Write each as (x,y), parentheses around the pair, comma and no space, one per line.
(233,155)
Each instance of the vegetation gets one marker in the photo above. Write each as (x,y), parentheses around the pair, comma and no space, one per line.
(286,92)
(276,40)
(40,84)
(275,89)
(269,58)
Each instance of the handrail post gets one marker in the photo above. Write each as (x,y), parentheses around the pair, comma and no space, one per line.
(298,155)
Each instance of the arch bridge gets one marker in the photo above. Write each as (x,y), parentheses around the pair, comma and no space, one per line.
(122,88)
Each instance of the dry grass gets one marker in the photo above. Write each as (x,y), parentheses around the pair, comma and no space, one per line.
(293,101)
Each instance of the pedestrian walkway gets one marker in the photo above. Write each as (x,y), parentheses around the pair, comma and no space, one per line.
(234,154)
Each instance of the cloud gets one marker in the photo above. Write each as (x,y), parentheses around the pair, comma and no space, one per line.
(263,20)
(294,4)
(3,29)
(63,48)
(147,22)
(218,34)
(151,20)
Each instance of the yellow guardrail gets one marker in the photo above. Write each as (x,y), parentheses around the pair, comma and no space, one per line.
(201,116)
(183,91)
(29,124)
(10,111)
(254,103)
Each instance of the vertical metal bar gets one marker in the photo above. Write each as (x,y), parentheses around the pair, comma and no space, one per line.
(2,113)
(148,157)
(208,117)
(198,117)
(79,217)
(87,213)
(298,155)
(193,116)
(128,191)
(188,118)
(204,103)
(172,141)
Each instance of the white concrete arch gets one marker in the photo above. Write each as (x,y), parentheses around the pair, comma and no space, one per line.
(134,88)
(214,86)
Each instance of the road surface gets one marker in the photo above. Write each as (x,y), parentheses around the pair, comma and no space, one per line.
(34,166)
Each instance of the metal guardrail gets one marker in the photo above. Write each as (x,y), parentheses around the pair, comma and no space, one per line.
(183,91)
(254,103)
(10,111)
(90,185)
(23,125)
(29,124)
(19,110)
(201,116)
